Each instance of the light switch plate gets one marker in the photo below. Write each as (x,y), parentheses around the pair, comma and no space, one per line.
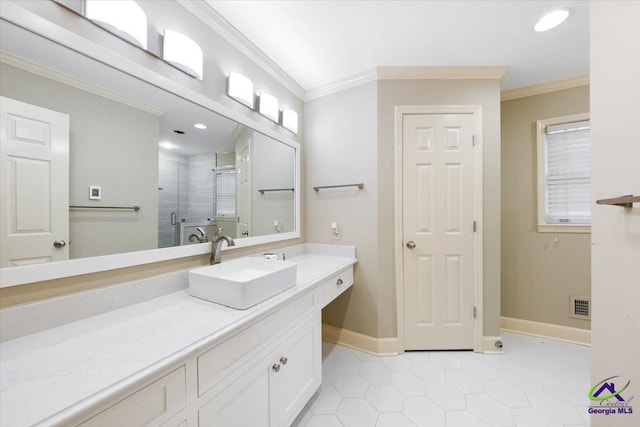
(95,192)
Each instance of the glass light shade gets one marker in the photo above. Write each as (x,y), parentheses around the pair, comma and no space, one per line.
(183,53)
(124,18)
(268,106)
(240,88)
(551,20)
(290,120)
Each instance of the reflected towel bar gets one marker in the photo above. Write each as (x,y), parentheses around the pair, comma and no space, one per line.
(360,186)
(276,189)
(624,201)
(131,208)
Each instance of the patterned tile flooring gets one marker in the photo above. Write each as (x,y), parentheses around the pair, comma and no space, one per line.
(536,383)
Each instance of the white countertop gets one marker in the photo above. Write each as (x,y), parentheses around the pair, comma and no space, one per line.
(52,374)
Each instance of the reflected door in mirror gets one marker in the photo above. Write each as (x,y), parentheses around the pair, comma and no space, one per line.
(35,184)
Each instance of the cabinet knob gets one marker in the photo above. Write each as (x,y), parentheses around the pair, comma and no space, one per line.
(284,360)
(411,244)
(339,282)
(276,367)
(59,244)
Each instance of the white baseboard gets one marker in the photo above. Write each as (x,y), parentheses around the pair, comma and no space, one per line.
(385,346)
(546,330)
(358,341)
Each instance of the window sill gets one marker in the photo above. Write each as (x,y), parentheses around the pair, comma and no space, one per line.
(561,228)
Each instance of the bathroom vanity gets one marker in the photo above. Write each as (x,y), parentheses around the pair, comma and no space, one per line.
(176,360)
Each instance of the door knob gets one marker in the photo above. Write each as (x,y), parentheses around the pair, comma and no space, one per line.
(284,360)
(276,367)
(59,244)
(411,244)
(245,233)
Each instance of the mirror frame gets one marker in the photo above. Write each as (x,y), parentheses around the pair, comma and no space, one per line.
(14,276)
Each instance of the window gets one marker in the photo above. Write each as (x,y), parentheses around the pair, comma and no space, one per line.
(226,192)
(564,174)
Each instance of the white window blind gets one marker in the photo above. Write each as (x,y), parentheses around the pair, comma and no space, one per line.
(568,173)
(226,193)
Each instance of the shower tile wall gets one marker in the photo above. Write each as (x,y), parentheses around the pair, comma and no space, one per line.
(201,185)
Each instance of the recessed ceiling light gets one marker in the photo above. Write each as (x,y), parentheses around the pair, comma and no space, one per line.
(551,20)
(200,126)
(167,145)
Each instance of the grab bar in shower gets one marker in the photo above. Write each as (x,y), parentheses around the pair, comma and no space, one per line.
(624,201)
(318,188)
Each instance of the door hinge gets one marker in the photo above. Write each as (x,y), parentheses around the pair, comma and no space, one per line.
(475,312)
(473,140)
(474,226)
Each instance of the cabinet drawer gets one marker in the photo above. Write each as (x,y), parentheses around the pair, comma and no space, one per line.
(154,404)
(335,285)
(222,360)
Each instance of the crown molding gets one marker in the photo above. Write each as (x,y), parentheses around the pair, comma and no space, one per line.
(441,73)
(407,73)
(203,11)
(68,80)
(340,85)
(539,89)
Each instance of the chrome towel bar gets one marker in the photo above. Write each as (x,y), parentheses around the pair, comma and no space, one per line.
(130,208)
(360,186)
(276,189)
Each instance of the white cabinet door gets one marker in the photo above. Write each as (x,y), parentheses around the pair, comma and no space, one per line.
(299,374)
(274,390)
(245,403)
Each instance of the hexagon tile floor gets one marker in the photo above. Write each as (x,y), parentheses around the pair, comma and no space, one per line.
(536,383)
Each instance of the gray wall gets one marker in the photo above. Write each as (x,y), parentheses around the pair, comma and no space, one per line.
(100,131)
(538,273)
(341,146)
(350,138)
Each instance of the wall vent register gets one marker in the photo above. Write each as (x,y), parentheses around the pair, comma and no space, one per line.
(580,307)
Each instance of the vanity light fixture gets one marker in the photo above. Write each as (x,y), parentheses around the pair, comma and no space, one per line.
(268,106)
(290,120)
(200,126)
(124,18)
(240,88)
(551,20)
(183,53)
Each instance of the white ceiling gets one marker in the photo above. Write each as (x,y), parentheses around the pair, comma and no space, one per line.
(322,42)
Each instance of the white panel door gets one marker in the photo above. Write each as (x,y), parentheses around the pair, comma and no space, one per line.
(243,170)
(438,206)
(35,184)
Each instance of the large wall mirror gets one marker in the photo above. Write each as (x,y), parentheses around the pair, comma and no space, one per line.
(141,172)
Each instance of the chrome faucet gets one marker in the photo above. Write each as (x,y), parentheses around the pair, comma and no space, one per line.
(216,248)
(202,238)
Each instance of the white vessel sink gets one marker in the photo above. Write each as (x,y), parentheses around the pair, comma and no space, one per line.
(242,283)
